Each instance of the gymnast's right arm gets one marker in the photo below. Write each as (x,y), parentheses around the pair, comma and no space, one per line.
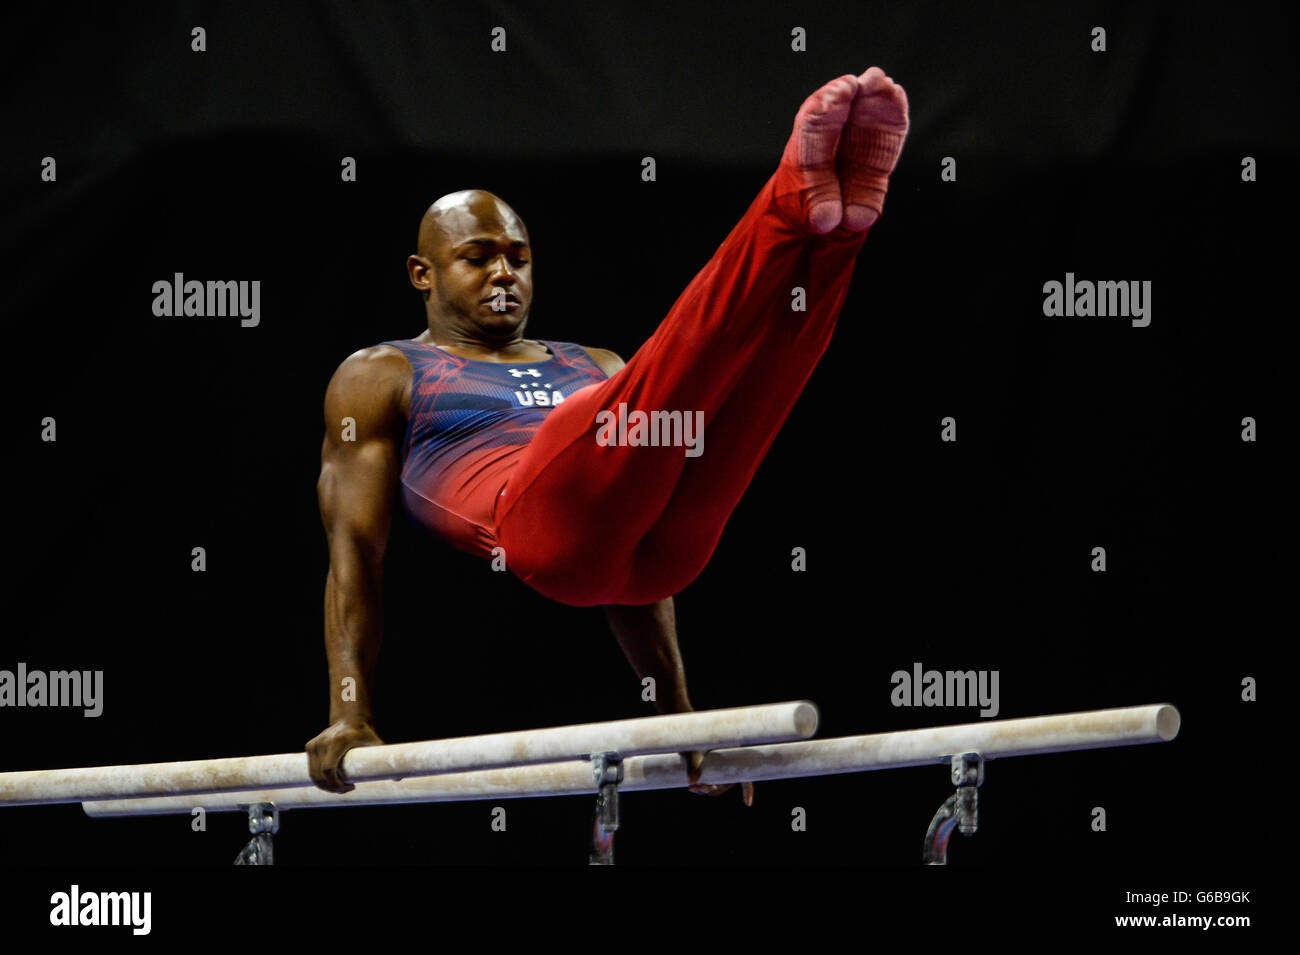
(360,462)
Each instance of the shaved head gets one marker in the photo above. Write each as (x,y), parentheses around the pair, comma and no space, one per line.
(458,216)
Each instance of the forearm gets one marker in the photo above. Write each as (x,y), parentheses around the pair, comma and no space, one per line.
(648,636)
(354,628)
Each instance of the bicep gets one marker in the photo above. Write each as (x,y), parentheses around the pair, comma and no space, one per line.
(360,462)
(356,490)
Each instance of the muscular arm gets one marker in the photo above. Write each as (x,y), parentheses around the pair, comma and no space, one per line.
(648,636)
(360,460)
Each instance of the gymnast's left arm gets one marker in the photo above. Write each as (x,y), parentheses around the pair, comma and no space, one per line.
(648,636)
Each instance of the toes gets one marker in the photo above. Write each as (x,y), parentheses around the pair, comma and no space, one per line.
(847,85)
(873,77)
(875,81)
(880,100)
(836,95)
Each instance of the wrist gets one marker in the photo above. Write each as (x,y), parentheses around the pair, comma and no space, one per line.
(352,716)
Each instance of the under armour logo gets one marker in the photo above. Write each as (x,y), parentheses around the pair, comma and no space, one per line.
(527,371)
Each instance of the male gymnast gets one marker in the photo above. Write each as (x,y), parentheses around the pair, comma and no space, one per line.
(490,439)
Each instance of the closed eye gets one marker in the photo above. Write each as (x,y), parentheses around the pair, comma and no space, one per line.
(480,260)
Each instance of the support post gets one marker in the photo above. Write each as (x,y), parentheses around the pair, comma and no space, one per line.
(607,768)
(960,810)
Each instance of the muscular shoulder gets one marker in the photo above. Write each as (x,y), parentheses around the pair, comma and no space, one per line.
(378,366)
(375,379)
(606,360)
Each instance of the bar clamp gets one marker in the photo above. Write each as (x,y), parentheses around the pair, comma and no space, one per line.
(263,822)
(959,811)
(607,771)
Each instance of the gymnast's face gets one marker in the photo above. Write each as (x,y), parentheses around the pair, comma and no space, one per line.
(475,264)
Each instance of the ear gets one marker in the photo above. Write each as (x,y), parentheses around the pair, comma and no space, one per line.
(420,271)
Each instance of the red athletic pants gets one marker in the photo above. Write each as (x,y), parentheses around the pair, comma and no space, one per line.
(585,523)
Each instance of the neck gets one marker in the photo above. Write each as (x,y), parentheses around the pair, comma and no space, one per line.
(472,346)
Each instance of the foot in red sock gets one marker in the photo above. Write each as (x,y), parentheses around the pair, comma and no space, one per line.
(873,138)
(809,156)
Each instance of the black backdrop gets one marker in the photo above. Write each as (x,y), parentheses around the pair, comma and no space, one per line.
(175,433)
